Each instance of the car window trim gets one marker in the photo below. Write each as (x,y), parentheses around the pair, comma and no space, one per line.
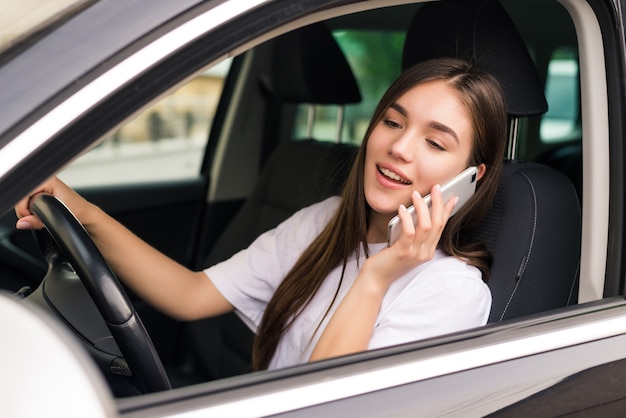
(79,103)
(595,139)
(332,380)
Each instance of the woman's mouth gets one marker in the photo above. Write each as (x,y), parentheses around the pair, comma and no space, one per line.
(392,175)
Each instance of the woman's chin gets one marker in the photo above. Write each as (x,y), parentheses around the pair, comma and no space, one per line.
(385,211)
(384,204)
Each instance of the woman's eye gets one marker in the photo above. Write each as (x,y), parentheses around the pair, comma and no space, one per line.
(435,145)
(391,123)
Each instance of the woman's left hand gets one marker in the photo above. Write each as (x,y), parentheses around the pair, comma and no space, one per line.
(417,243)
(351,326)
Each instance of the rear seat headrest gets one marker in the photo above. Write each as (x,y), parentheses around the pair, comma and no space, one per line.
(482,32)
(309,67)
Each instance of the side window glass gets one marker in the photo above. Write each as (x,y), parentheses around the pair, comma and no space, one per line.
(164,142)
(562,120)
(375,58)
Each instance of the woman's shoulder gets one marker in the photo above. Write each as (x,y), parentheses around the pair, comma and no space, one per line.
(446,271)
(445,262)
(328,205)
(319,213)
(305,224)
(453,280)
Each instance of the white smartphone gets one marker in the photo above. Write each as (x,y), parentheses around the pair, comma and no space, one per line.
(463,185)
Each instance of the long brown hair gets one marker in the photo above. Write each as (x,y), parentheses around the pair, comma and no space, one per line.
(482,96)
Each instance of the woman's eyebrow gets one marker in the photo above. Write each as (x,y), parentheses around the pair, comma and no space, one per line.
(434,125)
(445,129)
(398,108)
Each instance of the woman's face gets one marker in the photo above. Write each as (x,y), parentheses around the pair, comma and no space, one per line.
(424,138)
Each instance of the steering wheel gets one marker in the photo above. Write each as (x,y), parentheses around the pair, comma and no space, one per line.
(106,298)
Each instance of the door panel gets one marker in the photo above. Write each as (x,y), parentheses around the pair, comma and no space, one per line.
(166,215)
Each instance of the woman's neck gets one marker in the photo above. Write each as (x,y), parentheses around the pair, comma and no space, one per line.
(377,231)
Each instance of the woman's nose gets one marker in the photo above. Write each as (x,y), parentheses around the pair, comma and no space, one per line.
(403,147)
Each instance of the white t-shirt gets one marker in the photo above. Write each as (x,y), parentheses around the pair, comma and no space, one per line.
(441,296)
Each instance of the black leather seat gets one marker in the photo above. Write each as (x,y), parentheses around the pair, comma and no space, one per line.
(298,173)
(534,226)
(568,159)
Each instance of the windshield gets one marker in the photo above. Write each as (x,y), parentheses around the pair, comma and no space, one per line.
(20,19)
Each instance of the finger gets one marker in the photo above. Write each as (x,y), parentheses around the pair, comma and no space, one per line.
(21,209)
(449,207)
(436,209)
(29,222)
(423,213)
(426,237)
(406,220)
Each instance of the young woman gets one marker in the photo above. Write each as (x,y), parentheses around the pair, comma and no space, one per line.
(324,283)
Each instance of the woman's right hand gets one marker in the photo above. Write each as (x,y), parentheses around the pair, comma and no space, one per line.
(54,186)
(161,281)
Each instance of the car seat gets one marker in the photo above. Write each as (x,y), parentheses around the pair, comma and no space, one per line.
(534,226)
(309,67)
(568,159)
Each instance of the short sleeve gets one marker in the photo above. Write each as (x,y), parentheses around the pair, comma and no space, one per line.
(249,278)
(448,296)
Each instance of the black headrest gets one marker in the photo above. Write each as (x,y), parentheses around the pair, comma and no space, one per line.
(309,67)
(482,32)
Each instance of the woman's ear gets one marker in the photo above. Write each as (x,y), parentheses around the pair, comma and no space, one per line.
(482,169)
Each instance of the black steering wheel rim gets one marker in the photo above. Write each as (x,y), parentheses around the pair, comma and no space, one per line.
(105,290)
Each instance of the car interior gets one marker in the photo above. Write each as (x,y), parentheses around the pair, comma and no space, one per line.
(516,229)
(259,166)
